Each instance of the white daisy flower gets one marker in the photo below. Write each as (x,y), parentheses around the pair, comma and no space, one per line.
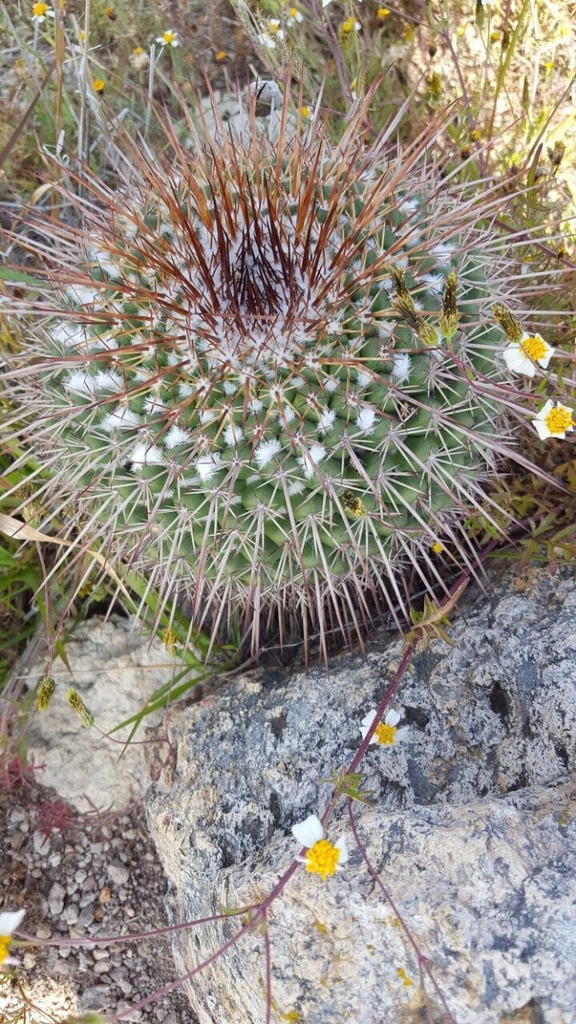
(522,356)
(168,38)
(386,732)
(322,857)
(554,420)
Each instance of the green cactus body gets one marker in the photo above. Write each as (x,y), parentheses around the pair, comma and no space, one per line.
(251,388)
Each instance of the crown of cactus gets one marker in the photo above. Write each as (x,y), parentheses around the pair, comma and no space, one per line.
(275,380)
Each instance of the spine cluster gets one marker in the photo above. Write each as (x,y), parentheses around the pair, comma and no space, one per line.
(277,381)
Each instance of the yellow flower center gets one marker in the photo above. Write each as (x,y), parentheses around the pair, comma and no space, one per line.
(168,37)
(322,858)
(137,50)
(382,12)
(385,734)
(534,347)
(4,947)
(293,12)
(39,9)
(348,26)
(559,420)
(438,548)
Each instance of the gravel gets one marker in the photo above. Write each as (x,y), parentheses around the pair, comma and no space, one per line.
(97,875)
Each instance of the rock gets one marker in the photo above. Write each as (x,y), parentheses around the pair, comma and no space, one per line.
(56,899)
(115,669)
(471,827)
(118,873)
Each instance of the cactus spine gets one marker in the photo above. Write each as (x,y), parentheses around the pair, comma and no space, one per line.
(276,382)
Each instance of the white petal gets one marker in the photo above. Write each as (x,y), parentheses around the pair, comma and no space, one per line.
(392,718)
(308,832)
(545,410)
(541,429)
(369,718)
(401,734)
(10,920)
(517,360)
(340,844)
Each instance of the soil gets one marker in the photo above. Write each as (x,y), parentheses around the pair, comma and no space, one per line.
(79,876)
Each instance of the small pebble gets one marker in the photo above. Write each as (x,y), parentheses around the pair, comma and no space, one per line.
(71,914)
(56,899)
(118,873)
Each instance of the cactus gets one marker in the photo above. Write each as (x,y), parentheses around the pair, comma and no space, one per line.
(275,381)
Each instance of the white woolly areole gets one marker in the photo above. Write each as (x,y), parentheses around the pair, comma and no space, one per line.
(232,434)
(108,380)
(434,283)
(207,415)
(154,404)
(401,366)
(266,451)
(146,455)
(310,459)
(80,383)
(82,294)
(207,465)
(325,420)
(176,436)
(69,335)
(366,417)
(442,251)
(120,418)
(365,378)
(286,414)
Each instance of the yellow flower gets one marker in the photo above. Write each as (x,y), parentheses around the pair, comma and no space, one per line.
(305,112)
(554,420)
(99,84)
(349,26)
(322,857)
(221,55)
(438,547)
(41,11)
(382,13)
(168,38)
